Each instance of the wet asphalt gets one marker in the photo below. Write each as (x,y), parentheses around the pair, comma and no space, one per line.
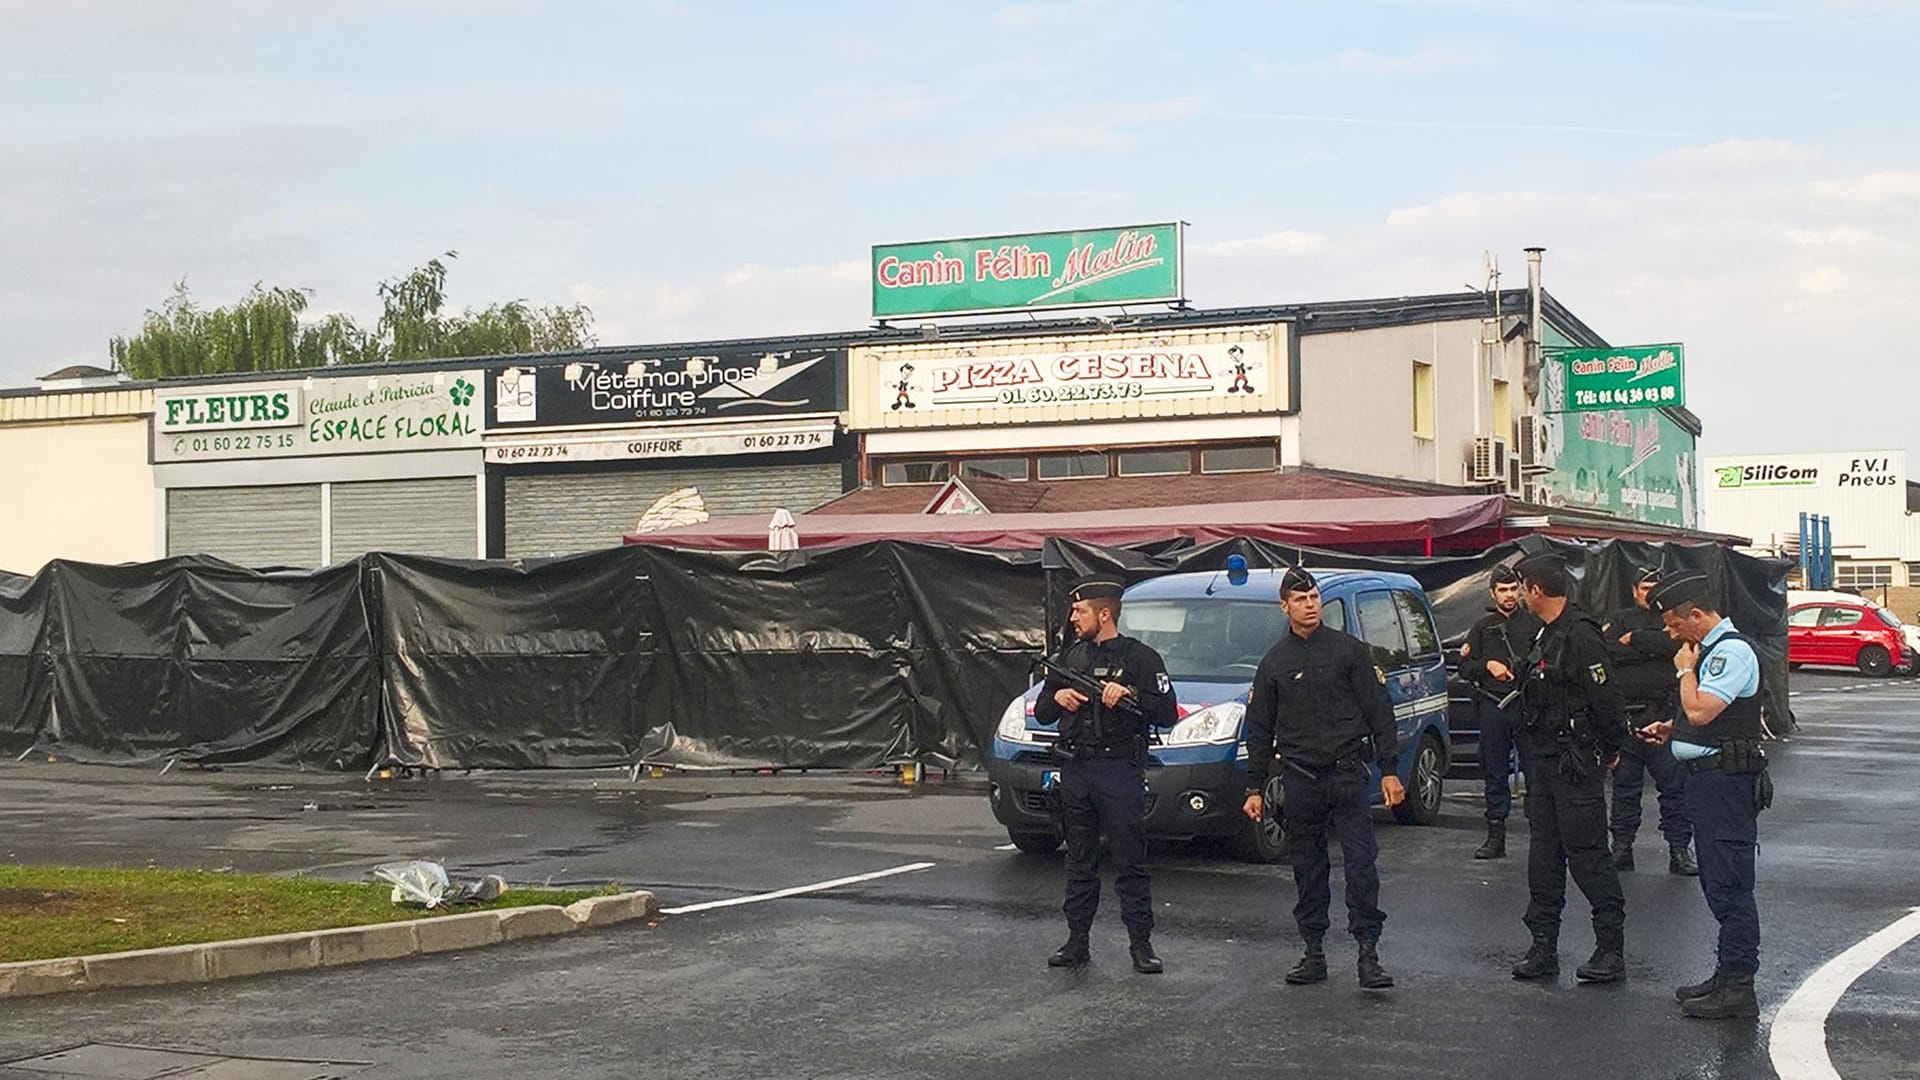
(941,972)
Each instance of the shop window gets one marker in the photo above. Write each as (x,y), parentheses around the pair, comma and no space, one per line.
(1848,575)
(1013,468)
(1238,459)
(899,473)
(1072,466)
(1422,399)
(1155,462)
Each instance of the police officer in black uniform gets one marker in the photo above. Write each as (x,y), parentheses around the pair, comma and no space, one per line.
(1102,786)
(1490,662)
(1641,654)
(1319,712)
(1574,725)
(1716,738)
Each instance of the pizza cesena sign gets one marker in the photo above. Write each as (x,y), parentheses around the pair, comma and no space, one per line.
(721,386)
(1216,370)
(306,417)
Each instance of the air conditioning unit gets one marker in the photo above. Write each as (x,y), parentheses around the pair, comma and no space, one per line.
(1488,465)
(1516,485)
(1534,457)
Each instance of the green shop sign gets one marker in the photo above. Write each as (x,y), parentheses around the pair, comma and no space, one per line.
(1634,377)
(1134,264)
(367,414)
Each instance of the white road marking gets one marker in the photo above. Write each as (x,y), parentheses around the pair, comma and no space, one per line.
(797,890)
(1798,1044)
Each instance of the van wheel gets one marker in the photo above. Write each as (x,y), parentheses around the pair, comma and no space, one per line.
(1034,843)
(1422,805)
(1264,841)
(1873,660)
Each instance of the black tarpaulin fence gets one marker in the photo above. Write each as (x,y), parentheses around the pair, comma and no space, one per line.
(845,658)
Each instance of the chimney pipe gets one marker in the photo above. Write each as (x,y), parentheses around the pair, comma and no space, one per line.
(1536,330)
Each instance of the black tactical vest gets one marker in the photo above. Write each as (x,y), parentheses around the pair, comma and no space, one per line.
(1739,720)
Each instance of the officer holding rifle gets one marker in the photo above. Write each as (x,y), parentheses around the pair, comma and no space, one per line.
(1107,693)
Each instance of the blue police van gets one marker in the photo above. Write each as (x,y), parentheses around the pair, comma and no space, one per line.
(1212,629)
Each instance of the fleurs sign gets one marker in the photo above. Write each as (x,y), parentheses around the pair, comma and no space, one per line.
(1638,377)
(300,417)
(1029,271)
(1218,370)
(622,390)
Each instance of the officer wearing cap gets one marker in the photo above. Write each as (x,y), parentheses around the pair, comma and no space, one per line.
(1490,662)
(1641,652)
(1319,713)
(1102,788)
(1716,740)
(1574,725)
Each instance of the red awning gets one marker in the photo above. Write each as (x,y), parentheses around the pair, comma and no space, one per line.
(1312,522)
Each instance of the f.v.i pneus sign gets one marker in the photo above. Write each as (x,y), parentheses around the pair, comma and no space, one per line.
(1029,271)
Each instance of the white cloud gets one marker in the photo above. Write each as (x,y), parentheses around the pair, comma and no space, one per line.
(1792,295)
(1450,54)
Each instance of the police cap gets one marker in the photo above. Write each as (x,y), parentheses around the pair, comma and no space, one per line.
(1539,564)
(1675,590)
(1297,580)
(1096,587)
(1648,575)
(1505,575)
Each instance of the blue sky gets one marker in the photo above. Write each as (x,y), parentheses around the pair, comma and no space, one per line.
(1741,177)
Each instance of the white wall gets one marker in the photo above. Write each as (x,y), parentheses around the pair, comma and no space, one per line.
(1356,398)
(1869,514)
(79,490)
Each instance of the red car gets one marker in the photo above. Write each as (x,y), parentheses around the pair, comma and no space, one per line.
(1849,633)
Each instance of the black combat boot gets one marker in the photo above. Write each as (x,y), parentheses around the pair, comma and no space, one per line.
(1496,845)
(1312,967)
(1144,960)
(1372,975)
(1623,855)
(1542,960)
(1731,1000)
(1608,962)
(1074,953)
(1699,989)
(1680,861)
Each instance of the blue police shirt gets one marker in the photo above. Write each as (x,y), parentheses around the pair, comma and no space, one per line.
(1731,672)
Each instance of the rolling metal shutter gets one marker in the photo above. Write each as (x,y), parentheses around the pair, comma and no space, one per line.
(252,526)
(419,517)
(562,513)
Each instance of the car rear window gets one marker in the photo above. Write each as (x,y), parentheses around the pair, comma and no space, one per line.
(1887,617)
(1843,616)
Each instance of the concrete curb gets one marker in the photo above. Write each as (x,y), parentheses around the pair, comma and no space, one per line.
(319,948)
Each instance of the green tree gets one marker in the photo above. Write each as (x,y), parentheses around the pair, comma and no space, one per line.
(265,330)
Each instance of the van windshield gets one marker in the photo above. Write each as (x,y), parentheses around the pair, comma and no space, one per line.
(1204,639)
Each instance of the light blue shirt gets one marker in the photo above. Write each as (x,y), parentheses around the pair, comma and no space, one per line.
(1731,672)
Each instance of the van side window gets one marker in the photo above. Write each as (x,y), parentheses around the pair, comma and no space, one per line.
(1380,629)
(1334,613)
(1421,637)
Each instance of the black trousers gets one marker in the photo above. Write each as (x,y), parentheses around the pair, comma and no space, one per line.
(1723,812)
(1567,831)
(1496,753)
(1637,760)
(1340,803)
(1106,795)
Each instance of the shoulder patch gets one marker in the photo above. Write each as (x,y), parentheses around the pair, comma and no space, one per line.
(1162,683)
(1716,665)
(1599,673)
(1380,673)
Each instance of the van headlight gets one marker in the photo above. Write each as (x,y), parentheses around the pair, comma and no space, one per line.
(1013,722)
(1218,725)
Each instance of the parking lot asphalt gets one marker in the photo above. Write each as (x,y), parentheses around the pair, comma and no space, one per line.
(940,971)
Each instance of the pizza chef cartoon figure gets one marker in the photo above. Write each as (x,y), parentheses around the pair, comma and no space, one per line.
(1239,371)
(902,397)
